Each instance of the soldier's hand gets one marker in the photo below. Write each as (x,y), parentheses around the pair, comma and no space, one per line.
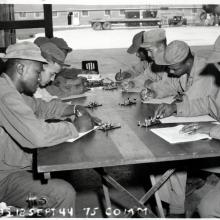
(83,123)
(178,98)
(127,84)
(147,94)
(83,120)
(164,110)
(194,128)
(122,75)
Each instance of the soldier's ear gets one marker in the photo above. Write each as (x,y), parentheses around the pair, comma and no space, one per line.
(20,68)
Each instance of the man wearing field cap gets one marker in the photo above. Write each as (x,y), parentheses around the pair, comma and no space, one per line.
(23,129)
(62,44)
(209,204)
(56,60)
(154,42)
(60,85)
(139,67)
(192,80)
(146,69)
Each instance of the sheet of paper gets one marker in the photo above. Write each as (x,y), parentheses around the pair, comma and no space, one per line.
(173,135)
(82,134)
(167,100)
(173,119)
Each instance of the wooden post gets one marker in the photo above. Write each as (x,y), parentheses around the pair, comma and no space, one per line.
(7,37)
(48,19)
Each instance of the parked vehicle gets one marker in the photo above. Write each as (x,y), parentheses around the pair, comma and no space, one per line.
(132,18)
(177,20)
(106,24)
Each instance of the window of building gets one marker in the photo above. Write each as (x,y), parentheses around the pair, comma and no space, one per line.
(55,14)
(85,13)
(38,14)
(107,12)
(22,14)
(164,8)
(194,10)
(122,12)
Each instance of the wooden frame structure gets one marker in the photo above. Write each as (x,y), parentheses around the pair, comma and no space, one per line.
(46,23)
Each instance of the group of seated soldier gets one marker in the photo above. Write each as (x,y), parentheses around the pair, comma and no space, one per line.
(35,75)
(174,70)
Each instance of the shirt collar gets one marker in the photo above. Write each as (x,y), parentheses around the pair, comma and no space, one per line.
(8,79)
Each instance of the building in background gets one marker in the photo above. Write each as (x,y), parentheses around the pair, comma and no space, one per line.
(76,15)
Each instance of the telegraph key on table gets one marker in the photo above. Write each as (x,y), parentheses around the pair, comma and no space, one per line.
(93,105)
(108,126)
(149,122)
(128,102)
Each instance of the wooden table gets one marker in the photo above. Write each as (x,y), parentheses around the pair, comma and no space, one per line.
(128,145)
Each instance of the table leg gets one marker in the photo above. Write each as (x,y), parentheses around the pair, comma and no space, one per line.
(155,187)
(116,185)
(107,197)
(157,197)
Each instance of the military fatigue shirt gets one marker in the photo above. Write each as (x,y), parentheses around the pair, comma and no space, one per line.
(23,127)
(194,86)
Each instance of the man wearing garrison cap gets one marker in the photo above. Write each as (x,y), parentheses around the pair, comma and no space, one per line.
(146,68)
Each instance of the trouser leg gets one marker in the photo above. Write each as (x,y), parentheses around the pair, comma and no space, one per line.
(60,195)
(173,192)
(209,206)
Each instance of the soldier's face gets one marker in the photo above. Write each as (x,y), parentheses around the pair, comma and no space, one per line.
(49,72)
(178,69)
(30,76)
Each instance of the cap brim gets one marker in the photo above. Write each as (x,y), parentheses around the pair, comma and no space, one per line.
(69,49)
(145,45)
(65,65)
(214,58)
(24,58)
(132,49)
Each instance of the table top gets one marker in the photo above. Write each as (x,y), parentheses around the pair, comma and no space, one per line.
(129,144)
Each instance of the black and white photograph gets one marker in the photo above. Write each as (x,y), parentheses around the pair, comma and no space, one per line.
(109,109)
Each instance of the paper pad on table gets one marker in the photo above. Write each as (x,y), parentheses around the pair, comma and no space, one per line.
(82,134)
(167,100)
(173,119)
(173,135)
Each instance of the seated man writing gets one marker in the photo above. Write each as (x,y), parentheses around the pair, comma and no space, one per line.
(66,82)
(146,69)
(23,129)
(191,79)
(55,58)
(209,204)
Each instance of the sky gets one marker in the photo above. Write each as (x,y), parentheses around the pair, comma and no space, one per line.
(109,2)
